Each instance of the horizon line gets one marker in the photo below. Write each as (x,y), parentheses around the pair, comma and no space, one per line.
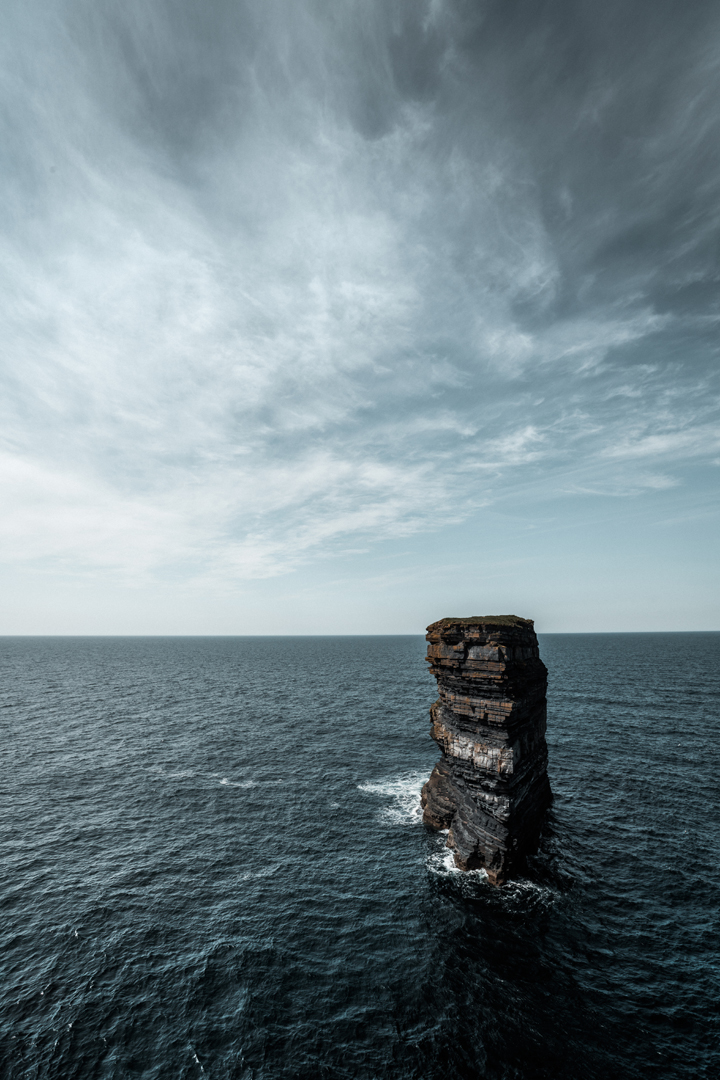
(345,634)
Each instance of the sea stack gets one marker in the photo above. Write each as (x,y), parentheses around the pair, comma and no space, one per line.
(490,788)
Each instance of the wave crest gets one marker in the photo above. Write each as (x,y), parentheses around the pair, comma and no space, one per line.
(404,790)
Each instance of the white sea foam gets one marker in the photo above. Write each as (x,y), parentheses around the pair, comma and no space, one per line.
(441,862)
(238,783)
(405,808)
(520,895)
(197,1059)
(266,871)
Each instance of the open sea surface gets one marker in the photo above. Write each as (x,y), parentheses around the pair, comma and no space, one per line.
(212,864)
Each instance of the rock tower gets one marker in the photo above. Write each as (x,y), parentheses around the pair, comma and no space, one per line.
(490,788)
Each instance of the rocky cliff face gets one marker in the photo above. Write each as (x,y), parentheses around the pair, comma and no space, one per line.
(490,788)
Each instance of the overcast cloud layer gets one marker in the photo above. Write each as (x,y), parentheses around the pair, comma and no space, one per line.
(297,284)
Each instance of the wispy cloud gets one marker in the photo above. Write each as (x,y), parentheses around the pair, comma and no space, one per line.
(295,277)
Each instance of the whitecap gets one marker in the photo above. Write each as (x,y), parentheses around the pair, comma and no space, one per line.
(238,783)
(519,895)
(442,863)
(405,808)
(265,871)
(197,1059)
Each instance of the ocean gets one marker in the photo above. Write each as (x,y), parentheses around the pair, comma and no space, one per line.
(213,864)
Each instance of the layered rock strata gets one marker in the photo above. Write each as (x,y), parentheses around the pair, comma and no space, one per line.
(490,788)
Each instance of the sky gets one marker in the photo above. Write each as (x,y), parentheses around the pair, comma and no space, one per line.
(344,316)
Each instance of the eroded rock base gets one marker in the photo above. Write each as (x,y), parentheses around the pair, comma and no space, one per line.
(490,788)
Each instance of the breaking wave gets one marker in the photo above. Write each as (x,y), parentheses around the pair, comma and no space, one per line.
(404,793)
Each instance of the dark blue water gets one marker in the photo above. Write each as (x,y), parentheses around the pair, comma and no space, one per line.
(212,864)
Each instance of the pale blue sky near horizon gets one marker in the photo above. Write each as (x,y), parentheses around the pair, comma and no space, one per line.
(342,316)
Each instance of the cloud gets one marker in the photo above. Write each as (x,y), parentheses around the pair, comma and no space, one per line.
(698,441)
(287,277)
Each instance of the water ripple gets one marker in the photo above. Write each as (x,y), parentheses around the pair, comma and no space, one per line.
(213,863)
